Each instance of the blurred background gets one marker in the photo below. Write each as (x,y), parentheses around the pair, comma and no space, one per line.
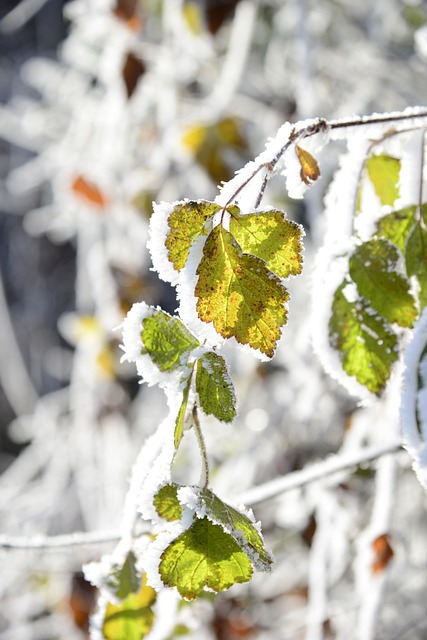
(107,105)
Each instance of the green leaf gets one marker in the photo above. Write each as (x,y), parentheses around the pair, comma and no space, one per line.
(204,556)
(384,171)
(366,344)
(269,236)
(416,259)
(186,223)
(396,226)
(133,618)
(180,419)
(239,294)
(167,504)
(239,526)
(166,340)
(125,579)
(373,267)
(214,386)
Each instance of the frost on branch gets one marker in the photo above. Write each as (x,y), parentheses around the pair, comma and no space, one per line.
(414,400)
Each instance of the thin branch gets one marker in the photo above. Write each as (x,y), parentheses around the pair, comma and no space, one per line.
(20,15)
(321,125)
(317,471)
(14,376)
(51,543)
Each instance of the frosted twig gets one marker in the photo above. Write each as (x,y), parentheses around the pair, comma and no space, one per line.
(20,15)
(317,471)
(235,61)
(264,492)
(51,543)
(14,376)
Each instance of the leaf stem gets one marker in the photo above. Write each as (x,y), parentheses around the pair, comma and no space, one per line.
(204,475)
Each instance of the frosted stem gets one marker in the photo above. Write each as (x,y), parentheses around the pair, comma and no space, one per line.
(204,475)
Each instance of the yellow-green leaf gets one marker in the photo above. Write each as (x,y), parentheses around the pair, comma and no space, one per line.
(373,267)
(214,387)
(309,167)
(239,526)
(166,340)
(384,171)
(204,556)
(239,294)
(133,618)
(186,223)
(396,226)
(271,237)
(167,504)
(365,342)
(416,259)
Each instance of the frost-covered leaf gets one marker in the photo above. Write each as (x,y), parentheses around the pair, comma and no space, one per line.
(239,526)
(269,236)
(396,226)
(204,556)
(186,223)
(309,167)
(133,618)
(373,267)
(416,259)
(180,418)
(384,171)
(366,344)
(167,504)
(166,339)
(239,294)
(214,386)
(125,579)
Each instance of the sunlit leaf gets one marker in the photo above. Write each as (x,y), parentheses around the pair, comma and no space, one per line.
(366,344)
(239,294)
(309,167)
(186,223)
(239,526)
(133,618)
(384,171)
(416,259)
(204,556)
(214,386)
(166,503)
(396,226)
(373,267)
(269,236)
(166,340)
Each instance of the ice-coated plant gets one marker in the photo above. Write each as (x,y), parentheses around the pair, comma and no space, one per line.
(229,260)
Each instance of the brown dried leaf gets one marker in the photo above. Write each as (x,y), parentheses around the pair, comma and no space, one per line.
(133,69)
(89,192)
(383,553)
(309,167)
